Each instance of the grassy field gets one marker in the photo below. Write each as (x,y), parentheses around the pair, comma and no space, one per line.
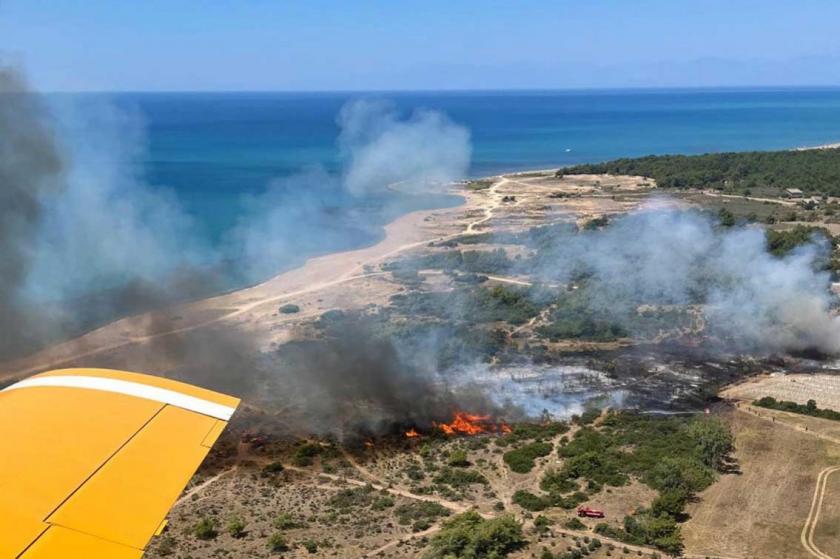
(827,533)
(760,512)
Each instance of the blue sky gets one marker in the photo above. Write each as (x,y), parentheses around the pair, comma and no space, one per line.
(429,44)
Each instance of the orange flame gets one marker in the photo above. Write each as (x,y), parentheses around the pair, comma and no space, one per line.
(412,434)
(472,424)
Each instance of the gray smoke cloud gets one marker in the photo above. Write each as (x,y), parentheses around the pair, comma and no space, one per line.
(82,235)
(30,168)
(106,227)
(384,155)
(83,239)
(416,153)
(750,299)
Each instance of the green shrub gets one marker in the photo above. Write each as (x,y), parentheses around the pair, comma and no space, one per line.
(289,309)
(459,478)
(458,458)
(521,460)
(574,523)
(273,468)
(205,529)
(277,543)
(236,527)
(469,536)
(529,501)
(420,514)
(809,408)
(304,455)
(813,171)
(285,521)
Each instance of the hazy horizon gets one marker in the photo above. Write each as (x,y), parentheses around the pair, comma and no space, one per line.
(487,91)
(324,45)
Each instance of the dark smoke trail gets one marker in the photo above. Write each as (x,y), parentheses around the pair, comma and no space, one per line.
(30,168)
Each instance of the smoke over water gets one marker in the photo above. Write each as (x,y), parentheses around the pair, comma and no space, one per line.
(84,239)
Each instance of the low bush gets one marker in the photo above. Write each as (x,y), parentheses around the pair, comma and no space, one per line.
(521,460)
(469,536)
(205,529)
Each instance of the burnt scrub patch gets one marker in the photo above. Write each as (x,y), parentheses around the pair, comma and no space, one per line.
(360,380)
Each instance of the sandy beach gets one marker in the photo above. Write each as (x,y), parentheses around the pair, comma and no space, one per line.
(246,306)
(343,280)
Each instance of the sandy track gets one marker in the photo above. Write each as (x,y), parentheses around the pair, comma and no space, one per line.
(807,537)
(204,485)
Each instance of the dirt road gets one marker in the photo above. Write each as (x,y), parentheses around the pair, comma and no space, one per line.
(807,537)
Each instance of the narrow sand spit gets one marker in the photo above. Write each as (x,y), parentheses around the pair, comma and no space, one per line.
(405,233)
(512,202)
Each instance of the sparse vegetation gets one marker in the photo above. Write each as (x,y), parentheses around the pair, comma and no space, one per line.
(420,514)
(277,543)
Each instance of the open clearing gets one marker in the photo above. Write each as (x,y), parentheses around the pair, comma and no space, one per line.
(799,388)
(760,512)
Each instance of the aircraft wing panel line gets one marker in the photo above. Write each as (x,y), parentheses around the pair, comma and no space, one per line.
(157,394)
(104,462)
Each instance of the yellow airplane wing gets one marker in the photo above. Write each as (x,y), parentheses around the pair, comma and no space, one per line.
(91,460)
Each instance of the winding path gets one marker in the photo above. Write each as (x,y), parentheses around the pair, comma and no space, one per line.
(807,536)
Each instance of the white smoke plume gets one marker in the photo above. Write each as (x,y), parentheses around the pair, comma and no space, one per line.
(382,153)
(750,299)
(423,151)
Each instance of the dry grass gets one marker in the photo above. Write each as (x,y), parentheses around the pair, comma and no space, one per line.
(827,533)
(799,388)
(760,512)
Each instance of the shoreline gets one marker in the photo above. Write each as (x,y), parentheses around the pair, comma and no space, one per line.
(405,232)
(834,145)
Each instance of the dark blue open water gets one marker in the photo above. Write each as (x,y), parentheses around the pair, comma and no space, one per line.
(213,148)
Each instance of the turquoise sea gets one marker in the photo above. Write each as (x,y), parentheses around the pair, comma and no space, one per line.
(214,149)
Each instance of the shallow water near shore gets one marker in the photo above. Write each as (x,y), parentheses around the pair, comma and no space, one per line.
(211,148)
